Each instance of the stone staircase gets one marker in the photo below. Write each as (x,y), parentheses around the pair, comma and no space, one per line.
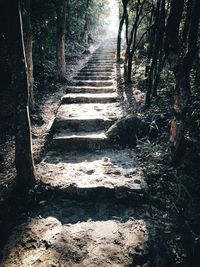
(90,225)
(89,107)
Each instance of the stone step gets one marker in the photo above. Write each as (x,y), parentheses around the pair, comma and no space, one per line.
(97,69)
(90,111)
(104,52)
(80,234)
(92,77)
(104,58)
(67,141)
(95,73)
(92,83)
(83,124)
(89,98)
(100,64)
(102,61)
(93,66)
(89,90)
(106,55)
(111,173)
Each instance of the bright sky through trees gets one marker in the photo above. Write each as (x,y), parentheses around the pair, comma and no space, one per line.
(113,18)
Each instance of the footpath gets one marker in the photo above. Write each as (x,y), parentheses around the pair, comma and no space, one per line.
(97,217)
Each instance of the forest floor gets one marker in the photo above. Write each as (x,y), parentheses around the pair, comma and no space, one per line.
(166,218)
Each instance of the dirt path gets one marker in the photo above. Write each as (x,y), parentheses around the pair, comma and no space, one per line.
(97,217)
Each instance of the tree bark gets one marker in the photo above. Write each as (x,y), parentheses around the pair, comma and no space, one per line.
(157,47)
(119,38)
(85,30)
(19,75)
(181,67)
(28,43)
(131,47)
(60,48)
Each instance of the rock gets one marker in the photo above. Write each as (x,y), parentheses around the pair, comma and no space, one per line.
(86,52)
(138,95)
(127,130)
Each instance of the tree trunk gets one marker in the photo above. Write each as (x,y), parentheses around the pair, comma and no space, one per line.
(181,67)
(18,67)
(130,49)
(127,27)
(161,64)
(28,41)
(129,68)
(119,38)
(61,24)
(85,30)
(157,47)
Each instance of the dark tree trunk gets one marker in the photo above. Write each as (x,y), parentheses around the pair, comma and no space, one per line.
(131,47)
(28,43)
(119,38)
(181,67)
(85,30)
(157,47)
(172,51)
(161,64)
(187,22)
(127,27)
(60,46)
(19,83)
(129,67)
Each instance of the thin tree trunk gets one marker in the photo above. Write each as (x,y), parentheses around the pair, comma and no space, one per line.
(85,30)
(130,50)
(23,142)
(61,24)
(130,54)
(127,27)
(187,22)
(129,69)
(119,38)
(28,43)
(157,46)
(162,60)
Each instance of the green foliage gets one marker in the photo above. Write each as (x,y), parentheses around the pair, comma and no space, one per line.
(145,144)
(44,27)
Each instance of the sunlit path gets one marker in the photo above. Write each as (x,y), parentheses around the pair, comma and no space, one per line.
(99,133)
(95,229)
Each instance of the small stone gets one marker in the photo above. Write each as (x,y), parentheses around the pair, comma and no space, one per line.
(90,172)
(137,181)
(117,172)
(117,242)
